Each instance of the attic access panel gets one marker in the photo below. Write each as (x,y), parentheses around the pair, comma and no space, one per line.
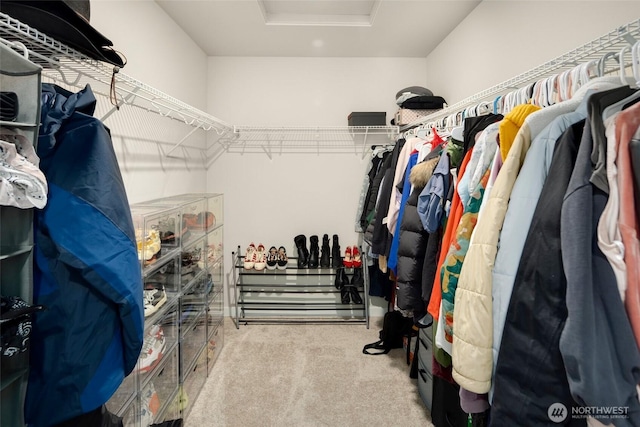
(319,13)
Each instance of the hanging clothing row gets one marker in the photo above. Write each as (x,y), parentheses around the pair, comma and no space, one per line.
(522,243)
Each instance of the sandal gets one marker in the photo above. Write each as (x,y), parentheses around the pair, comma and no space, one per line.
(357,259)
(347,261)
(283,260)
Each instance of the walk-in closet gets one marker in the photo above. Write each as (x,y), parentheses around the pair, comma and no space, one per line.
(356,213)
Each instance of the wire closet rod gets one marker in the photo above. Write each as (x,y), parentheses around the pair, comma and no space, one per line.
(594,50)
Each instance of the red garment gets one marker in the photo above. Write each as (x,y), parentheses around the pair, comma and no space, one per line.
(436,141)
(627,124)
(449,234)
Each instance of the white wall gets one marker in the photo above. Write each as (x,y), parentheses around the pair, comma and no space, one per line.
(162,56)
(271,201)
(503,38)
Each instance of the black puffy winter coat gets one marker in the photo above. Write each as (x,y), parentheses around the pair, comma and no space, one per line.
(381,235)
(413,244)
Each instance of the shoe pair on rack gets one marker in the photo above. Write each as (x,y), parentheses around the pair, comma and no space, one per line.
(352,258)
(277,258)
(255,258)
(349,289)
(314,257)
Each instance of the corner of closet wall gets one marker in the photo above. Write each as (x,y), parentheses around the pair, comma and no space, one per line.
(159,54)
(270,200)
(501,39)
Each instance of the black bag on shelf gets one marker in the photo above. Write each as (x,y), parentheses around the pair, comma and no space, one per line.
(394,328)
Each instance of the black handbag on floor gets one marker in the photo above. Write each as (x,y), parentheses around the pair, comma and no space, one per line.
(394,328)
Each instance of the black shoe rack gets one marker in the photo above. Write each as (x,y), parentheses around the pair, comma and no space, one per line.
(295,295)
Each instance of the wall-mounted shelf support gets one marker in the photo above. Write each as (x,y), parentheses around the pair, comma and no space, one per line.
(179,143)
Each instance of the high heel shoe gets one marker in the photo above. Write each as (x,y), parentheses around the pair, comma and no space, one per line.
(357,259)
(347,261)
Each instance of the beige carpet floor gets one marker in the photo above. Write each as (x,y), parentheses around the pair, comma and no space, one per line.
(306,376)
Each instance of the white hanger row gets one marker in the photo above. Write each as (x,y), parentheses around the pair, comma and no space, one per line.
(544,92)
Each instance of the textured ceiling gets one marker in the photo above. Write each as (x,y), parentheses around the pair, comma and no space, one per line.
(395,28)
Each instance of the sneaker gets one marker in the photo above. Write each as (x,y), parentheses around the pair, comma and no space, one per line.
(261,258)
(152,348)
(283,260)
(154,298)
(272,258)
(200,222)
(250,257)
(149,246)
(182,400)
(202,288)
(149,405)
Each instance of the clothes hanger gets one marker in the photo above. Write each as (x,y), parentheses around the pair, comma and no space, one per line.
(601,67)
(484,108)
(635,62)
(588,70)
(510,102)
(552,89)
(422,132)
(524,92)
(575,79)
(452,120)
(621,63)
(542,99)
(496,102)
(632,99)
(564,85)
(535,98)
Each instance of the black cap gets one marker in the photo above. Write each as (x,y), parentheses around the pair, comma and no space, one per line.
(66,22)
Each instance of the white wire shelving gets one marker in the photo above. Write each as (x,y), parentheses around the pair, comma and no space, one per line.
(612,42)
(63,64)
(70,67)
(304,139)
